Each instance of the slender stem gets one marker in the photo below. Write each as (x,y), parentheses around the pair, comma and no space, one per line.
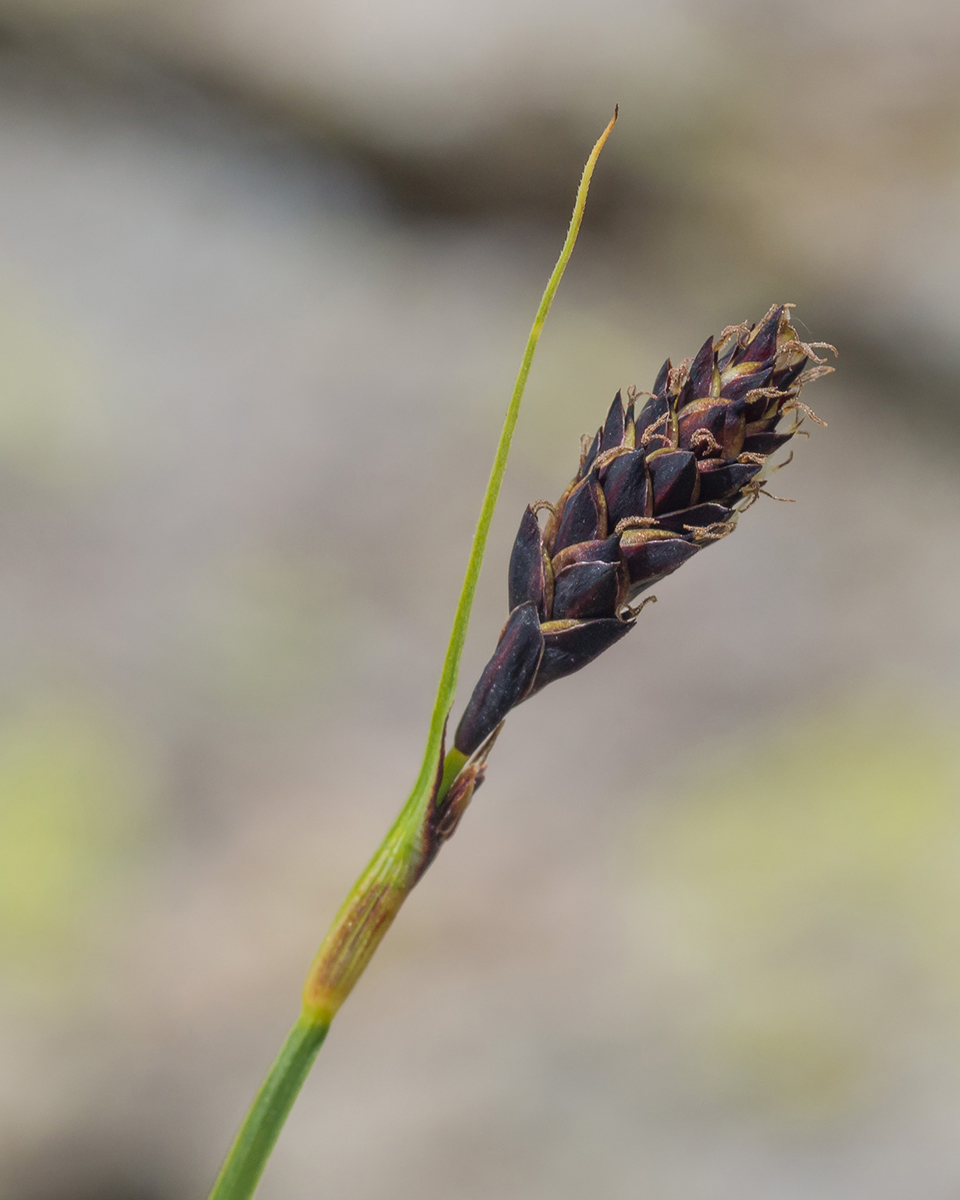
(376,897)
(458,635)
(255,1139)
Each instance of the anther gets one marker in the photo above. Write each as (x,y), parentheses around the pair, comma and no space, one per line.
(704,439)
(635,523)
(758,490)
(813,373)
(740,330)
(678,375)
(711,533)
(636,609)
(761,393)
(607,457)
(786,463)
(539,505)
(804,408)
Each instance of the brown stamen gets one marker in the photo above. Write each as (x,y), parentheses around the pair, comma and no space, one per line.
(635,523)
(636,609)
(704,438)
(804,408)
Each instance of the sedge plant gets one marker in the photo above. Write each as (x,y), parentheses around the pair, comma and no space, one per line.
(660,480)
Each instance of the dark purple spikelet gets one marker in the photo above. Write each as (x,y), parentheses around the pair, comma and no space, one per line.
(653,488)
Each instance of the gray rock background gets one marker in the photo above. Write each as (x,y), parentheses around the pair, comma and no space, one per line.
(265,276)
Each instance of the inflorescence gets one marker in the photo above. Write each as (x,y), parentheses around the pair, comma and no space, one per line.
(655,485)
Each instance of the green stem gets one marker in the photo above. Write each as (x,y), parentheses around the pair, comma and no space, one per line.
(458,635)
(376,897)
(248,1155)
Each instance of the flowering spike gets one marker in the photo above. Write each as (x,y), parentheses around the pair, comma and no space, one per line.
(671,479)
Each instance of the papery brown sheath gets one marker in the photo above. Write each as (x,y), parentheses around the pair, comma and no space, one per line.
(655,485)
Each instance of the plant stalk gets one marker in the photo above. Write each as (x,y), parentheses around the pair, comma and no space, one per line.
(255,1139)
(376,897)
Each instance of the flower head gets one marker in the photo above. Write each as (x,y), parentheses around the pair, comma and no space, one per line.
(656,484)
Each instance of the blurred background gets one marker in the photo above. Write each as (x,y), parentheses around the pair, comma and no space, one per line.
(266,271)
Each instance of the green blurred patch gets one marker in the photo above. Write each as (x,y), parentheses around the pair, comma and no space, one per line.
(71,807)
(54,427)
(801,908)
(266,629)
(585,357)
